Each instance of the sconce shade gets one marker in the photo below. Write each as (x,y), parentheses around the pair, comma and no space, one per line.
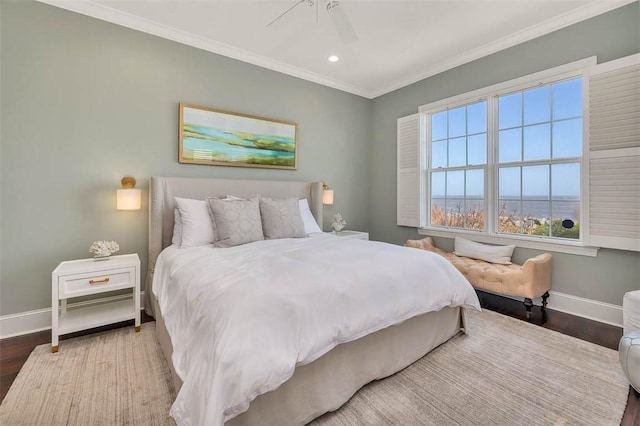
(128,199)
(327,196)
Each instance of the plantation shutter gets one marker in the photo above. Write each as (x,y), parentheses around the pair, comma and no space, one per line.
(408,170)
(614,154)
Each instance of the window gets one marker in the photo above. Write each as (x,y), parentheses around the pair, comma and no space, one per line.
(539,155)
(507,162)
(458,164)
(550,160)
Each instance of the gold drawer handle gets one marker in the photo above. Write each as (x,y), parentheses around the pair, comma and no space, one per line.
(105,280)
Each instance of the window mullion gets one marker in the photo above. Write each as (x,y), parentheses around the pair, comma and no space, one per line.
(446,178)
(465,223)
(446,198)
(521,199)
(542,162)
(491,170)
(550,218)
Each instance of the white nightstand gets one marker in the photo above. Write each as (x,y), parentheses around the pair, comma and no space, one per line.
(87,277)
(353,234)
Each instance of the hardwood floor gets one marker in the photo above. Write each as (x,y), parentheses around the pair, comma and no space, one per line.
(15,351)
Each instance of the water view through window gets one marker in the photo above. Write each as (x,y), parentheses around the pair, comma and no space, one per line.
(538,138)
(459,149)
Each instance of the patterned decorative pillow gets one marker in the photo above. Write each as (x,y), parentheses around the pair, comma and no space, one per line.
(237,221)
(281,218)
(177,228)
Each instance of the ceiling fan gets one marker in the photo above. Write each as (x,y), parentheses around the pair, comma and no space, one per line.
(336,14)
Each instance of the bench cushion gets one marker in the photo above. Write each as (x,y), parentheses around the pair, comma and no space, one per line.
(530,280)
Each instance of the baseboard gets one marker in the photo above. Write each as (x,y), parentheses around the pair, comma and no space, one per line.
(586,308)
(580,307)
(40,319)
(25,323)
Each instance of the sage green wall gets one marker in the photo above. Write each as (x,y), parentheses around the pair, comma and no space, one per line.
(85,102)
(612,35)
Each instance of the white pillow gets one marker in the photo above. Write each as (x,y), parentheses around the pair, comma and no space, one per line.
(197,226)
(310,224)
(492,254)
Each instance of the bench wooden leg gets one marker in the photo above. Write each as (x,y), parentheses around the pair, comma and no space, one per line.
(528,304)
(545,296)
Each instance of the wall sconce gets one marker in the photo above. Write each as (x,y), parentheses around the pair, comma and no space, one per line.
(128,198)
(327,194)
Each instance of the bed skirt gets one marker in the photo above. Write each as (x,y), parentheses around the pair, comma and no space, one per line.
(328,382)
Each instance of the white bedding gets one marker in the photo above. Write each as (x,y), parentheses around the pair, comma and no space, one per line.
(242,318)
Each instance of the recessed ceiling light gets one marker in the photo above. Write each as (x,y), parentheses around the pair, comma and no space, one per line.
(333,58)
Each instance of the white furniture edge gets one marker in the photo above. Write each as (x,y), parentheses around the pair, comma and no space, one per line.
(22,323)
(105,310)
(350,233)
(40,319)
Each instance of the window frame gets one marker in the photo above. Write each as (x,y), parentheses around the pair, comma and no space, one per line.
(490,94)
(468,167)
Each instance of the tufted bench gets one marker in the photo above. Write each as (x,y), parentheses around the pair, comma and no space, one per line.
(530,280)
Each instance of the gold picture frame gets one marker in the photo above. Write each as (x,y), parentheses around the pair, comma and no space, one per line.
(224,138)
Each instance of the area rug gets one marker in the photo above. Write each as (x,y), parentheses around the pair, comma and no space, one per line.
(504,372)
(118,377)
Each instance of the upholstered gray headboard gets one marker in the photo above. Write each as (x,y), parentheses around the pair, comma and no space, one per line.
(162,191)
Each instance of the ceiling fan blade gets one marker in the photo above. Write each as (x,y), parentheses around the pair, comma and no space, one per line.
(297,3)
(341,22)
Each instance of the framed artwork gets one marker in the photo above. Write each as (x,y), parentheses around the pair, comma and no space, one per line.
(223,138)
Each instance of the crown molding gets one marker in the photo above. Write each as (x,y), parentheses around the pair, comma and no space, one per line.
(108,14)
(580,14)
(105,13)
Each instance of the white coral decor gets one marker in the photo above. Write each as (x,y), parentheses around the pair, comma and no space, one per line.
(338,223)
(104,248)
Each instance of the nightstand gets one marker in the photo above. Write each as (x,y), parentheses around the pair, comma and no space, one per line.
(88,277)
(353,234)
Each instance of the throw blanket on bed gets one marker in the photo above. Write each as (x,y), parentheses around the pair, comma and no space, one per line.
(242,318)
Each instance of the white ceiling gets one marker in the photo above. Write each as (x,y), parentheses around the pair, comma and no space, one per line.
(399,42)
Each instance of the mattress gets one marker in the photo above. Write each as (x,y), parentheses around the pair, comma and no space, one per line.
(242,320)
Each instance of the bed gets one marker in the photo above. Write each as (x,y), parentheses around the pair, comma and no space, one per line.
(326,364)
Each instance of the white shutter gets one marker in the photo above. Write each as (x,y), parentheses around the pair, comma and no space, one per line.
(614,154)
(408,169)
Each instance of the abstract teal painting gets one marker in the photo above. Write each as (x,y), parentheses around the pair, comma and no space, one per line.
(223,138)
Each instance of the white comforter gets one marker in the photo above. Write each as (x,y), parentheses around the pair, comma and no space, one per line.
(242,318)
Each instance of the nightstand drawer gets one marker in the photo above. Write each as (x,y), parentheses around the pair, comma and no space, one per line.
(92,283)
